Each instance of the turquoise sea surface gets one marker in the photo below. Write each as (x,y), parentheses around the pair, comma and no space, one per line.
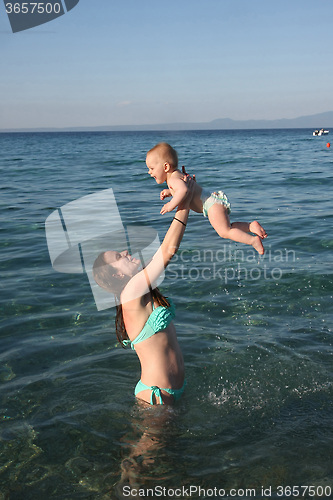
(256,334)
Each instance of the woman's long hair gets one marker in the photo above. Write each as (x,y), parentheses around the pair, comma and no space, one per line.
(107,277)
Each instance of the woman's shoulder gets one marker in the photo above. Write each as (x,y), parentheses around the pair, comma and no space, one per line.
(135,313)
(136,289)
(132,302)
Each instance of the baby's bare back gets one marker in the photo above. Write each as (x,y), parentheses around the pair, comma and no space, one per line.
(196,203)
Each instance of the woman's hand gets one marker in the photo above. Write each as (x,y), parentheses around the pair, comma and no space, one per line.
(190,184)
(186,174)
(190,188)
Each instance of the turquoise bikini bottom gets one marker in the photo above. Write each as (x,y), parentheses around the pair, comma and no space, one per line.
(156,391)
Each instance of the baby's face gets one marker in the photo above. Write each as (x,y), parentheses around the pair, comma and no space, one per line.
(156,168)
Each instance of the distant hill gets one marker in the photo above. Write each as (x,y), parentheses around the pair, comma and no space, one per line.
(321,120)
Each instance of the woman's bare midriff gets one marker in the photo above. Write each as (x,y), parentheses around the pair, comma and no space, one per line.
(161,359)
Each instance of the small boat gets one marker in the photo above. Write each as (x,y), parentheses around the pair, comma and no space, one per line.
(320,132)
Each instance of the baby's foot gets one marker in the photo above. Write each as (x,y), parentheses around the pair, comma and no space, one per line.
(257,245)
(256,228)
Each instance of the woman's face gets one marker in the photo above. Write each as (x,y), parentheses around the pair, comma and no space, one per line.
(122,261)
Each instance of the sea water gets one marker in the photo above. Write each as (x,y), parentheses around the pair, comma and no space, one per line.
(256,333)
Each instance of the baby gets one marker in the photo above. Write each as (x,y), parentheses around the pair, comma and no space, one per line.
(162,163)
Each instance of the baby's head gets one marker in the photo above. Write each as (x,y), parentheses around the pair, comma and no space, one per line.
(160,160)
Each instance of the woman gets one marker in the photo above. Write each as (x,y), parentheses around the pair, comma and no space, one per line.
(144,316)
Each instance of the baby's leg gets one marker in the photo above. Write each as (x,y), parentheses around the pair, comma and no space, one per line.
(252,227)
(238,231)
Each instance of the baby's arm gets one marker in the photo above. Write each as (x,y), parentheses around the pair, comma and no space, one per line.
(180,191)
(165,194)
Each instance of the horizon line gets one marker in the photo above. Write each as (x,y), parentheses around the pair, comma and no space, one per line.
(216,124)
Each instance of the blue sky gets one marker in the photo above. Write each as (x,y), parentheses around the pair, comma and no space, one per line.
(143,62)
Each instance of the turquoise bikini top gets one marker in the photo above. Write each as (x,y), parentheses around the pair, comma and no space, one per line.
(158,320)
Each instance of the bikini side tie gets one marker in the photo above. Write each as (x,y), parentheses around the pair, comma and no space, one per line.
(155,391)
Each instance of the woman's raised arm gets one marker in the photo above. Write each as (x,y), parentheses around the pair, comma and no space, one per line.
(141,282)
